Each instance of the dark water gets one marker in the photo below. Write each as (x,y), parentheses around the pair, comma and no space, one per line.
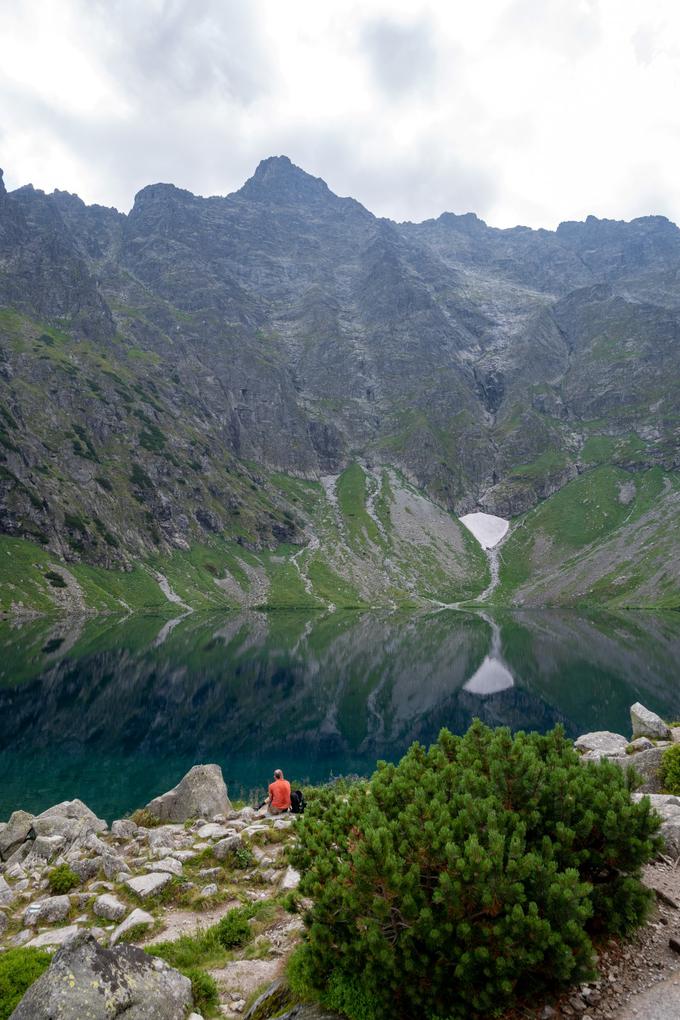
(115,711)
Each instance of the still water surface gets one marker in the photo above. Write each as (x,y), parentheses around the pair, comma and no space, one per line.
(114,711)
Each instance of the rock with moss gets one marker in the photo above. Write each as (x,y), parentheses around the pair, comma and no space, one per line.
(86,980)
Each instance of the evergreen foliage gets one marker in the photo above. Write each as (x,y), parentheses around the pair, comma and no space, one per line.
(467,876)
(670,770)
(19,968)
(62,879)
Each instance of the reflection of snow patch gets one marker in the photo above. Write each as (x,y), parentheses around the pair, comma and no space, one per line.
(487,529)
(491,677)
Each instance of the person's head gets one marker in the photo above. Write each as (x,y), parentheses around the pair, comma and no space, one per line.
(278,774)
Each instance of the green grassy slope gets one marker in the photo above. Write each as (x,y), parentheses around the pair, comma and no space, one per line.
(609,537)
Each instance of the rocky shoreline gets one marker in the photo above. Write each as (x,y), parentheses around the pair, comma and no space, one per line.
(96,894)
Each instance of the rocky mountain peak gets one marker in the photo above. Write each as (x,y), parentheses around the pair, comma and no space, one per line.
(277,179)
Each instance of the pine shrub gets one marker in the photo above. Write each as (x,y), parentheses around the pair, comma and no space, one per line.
(670,770)
(62,879)
(468,876)
(19,968)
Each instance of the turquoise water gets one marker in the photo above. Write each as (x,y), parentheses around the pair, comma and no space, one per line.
(114,711)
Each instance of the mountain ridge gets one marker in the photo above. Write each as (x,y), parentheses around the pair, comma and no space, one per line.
(182,353)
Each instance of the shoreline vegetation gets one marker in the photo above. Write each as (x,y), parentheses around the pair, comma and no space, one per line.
(509,861)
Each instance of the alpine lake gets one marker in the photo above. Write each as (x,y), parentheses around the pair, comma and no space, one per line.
(116,710)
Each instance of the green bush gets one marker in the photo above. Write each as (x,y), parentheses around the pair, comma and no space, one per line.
(234,930)
(62,879)
(19,968)
(467,876)
(669,771)
(204,990)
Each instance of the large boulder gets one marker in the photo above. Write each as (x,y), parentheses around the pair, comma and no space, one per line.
(85,980)
(74,810)
(648,724)
(14,833)
(647,765)
(202,793)
(601,744)
(47,911)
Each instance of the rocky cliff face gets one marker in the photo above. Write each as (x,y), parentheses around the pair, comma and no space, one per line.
(155,368)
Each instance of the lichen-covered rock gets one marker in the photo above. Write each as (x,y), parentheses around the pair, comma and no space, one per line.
(124,828)
(227,846)
(7,894)
(648,724)
(640,744)
(601,744)
(86,980)
(201,793)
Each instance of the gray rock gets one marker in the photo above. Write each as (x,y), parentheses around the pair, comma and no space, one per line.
(3,922)
(149,885)
(209,890)
(169,837)
(109,907)
(47,911)
(46,848)
(86,980)
(55,937)
(648,724)
(290,880)
(669,808)
(124,828)
(7,893)
(210,873)
(21,938)
(88,869)
(202,791)
(168,864)
(640,744)
(113,865)
(227,846)
(15,833)
(136,919)
(646,764)
(214,831)
(601,744)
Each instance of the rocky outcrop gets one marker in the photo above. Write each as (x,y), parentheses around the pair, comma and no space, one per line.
(601,744)
(86,980)
(648,724)
(202,793)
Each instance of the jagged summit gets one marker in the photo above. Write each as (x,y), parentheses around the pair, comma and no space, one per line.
(278,179)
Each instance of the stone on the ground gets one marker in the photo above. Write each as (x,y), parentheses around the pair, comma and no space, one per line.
(669,809)
(290,880)
(86,980)
(112,865)
(640,744)
(22,937)
(47,911)
(201,793)
(648,724)
(209,890)
(46,848)
(3,922)
(214,831)
(601,744)
(54,937)
(87,869)
(109,907)
(138,918)
(124,828)
(7,894)
(227,846)
(149,885)
(14,833)
(168,864)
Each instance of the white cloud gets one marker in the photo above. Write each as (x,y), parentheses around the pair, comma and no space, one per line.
(527,111)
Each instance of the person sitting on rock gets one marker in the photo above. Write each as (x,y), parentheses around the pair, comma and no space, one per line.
(279,794)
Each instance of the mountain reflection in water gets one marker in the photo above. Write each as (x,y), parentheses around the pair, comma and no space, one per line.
(114,710)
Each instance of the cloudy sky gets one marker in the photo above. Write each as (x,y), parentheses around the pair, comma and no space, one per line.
(524,111)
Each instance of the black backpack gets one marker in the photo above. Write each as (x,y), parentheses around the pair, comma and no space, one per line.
(297,802)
